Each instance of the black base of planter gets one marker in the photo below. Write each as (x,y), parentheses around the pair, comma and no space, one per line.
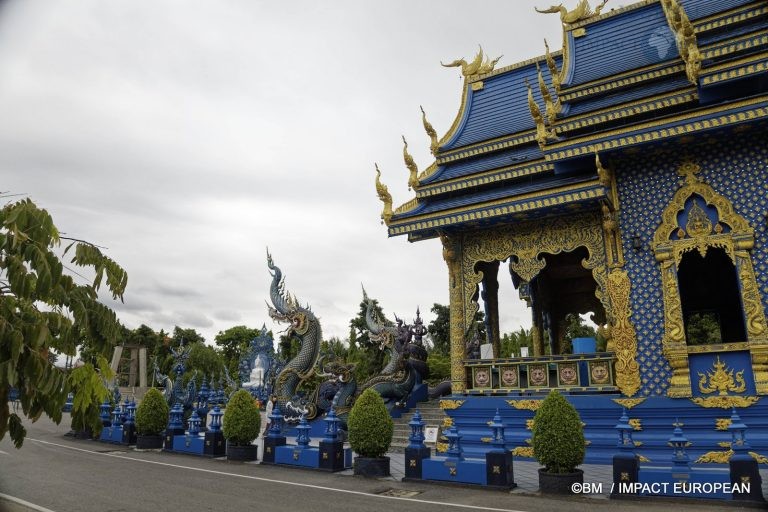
(241,453)
(149,442)
(84,434)
(371,467)
(559,483)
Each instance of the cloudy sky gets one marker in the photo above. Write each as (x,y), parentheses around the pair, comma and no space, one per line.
(188,136)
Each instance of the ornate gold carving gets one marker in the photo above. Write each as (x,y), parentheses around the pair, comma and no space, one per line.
(528,405)
(581,12)
(529,424)
(478,66)
(523,451)
(551,107)
(553,71)
(447,422)
(725,402)
(638,444)
(384,196)
(685,37)
(629,402)
(722,423)
(413,171)
(724,444)
(750,295)
(451,404)
(441,447)
(430,131)
(759,458)
(715,457)
(623,333)
(486,439)
(543,134)
(452,254)
(636,424)
(721,380)
(643,458)
(452,471)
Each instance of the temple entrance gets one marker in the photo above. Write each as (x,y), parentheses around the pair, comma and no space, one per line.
(710,298)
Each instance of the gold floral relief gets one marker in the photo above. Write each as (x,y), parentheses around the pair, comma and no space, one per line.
(629,402)
(529,405)
(623,333)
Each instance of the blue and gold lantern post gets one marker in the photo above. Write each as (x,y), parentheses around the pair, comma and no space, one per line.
(499,461)
(274,436)
(626,464)
(214,437)
(331,447)
(416,451)
(175,425)
(129,426)
(106,413)
(743,467)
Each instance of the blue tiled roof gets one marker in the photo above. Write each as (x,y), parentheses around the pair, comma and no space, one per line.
(501,106)
(696,9)
(485,163)
(509,191)
(616,44)
(647,90)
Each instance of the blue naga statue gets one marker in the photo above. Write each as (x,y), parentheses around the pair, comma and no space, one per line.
(173,389)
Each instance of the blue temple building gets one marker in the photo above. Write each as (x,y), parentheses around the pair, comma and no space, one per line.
(624,175)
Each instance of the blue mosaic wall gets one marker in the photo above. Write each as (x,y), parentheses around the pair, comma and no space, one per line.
(736,166)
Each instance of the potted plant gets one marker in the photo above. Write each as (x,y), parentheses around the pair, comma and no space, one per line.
(151,420)
(558,444)
(370,434)
(242,423)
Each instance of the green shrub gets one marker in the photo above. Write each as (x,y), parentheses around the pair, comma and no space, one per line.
(558,436)
(370,426)
(241,419)
(152,414)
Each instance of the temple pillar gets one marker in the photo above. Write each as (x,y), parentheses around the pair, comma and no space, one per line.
(491,300)
(143,367)
(452,254)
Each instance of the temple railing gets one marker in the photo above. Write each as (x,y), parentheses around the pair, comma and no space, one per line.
(578,372)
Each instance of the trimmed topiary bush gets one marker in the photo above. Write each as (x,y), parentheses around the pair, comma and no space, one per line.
(558,435)
(241,419)
(152,414)
(370,426)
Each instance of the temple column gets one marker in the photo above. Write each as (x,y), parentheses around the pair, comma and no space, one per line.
(452,254)
(491,300)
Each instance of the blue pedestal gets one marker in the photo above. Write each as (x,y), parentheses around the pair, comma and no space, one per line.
(191,444)
(292,455)
(584,345)
(112,435)
(706,482)
(444,469)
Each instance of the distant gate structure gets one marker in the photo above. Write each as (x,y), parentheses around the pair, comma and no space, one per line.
(259,366)
(129,362)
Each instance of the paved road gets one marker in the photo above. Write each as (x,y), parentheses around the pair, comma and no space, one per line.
(60,474)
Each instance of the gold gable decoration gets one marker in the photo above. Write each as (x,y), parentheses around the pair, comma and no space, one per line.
(581,12)
(685,37)
(480,65)
(430,131)
(413,171)
(721,380)
(384,196)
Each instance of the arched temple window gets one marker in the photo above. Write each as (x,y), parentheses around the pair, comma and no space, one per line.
(709,295)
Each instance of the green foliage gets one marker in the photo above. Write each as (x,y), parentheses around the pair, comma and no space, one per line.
(703,328)
(288,347)
(233,343)
(439,367)
(558,435)
(511,342)
(575,328)
(189,336)
(440,328)
(241,419)
(152,413)
(43,310)
(206,360)
(370,426)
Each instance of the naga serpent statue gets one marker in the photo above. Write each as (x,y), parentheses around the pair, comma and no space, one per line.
(303,325)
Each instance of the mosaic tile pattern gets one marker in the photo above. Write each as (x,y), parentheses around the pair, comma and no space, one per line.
(736,166)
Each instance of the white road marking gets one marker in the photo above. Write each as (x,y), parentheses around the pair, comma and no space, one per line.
(38,508)
(284,482)
(4,453)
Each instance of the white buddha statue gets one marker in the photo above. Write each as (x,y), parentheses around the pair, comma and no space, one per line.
(256,378)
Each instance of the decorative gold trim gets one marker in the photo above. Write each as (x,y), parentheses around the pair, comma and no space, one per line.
(465,92)
(643,458)
(451,404)
(493,176)
(725,402)
(623,333)
(636,423)
(441,447)
(486,146)
(528,405)
(582,12)
(619,81)
(722,423)
(530,423)
(486,439)
(384,196)
(761,459)
(722,380)
(746,42)
(729,18)
(431,133)
(408,206)
(739,72)
(718,347)
(480,65)
(685,36)
(413,171)
(523,451)
(629,402)
(477,86)
(543,134)
(715,457)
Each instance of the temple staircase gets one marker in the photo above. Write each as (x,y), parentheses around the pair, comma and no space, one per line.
(431,415)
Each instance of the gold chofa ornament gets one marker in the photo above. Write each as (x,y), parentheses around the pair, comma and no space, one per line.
(721,380)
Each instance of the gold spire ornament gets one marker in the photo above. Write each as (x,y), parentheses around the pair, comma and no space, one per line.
(413,180)
(430,131)
(581,12)
(685,37)
(543,134)
(551,107)
(553,71)
(478,66)
(384,196)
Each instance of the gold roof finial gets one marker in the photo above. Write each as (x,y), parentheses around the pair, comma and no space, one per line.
(553,69)
(478,66)
(413,180)
(543,134)
(430,131)
(551,108)
(582,11)
(384,196)
(685,37)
